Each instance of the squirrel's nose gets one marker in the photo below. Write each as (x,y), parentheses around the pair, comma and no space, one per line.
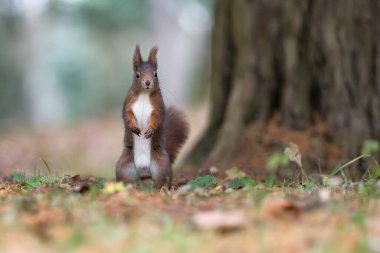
(147,83)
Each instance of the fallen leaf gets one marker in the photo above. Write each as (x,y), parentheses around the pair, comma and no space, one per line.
(201,192)
(220,220)
(235,172)
(112,187)
(293,153)
(217,189)
(281,208)
(334,182)
(42,220)
(183,190)
(79,183)
(214,169)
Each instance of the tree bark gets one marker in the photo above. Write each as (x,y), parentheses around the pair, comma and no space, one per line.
(221,54)
(295,58)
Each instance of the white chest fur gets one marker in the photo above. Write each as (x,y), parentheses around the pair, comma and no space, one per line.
(142,109)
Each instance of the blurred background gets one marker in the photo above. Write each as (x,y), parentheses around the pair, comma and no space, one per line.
(278,68)
(65,67)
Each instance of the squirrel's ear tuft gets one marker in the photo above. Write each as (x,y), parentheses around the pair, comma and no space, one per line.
(153,56)
(137,59)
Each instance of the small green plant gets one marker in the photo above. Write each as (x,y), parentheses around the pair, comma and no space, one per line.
(370,146)
(32,181)
(18,177)
(270,181)
(100,182)
(309,185)
(149,186)
(374,173)
(277,160)
(241,182)
(203,182)
(370,187)
(37,181)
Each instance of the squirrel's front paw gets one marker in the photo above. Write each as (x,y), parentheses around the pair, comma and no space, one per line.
(136,131)
(149,133)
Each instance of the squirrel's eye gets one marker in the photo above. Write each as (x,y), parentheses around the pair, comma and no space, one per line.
(155,74)
(137,75)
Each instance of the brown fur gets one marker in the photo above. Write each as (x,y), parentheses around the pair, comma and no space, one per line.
(176,131)
(167,128)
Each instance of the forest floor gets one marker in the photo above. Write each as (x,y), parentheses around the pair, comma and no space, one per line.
(87,214)
(252,205)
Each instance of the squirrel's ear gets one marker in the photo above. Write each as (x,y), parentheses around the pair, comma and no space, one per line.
(137,59)
(153,56)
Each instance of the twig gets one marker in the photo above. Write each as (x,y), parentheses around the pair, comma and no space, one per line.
(46,165)
(348,163)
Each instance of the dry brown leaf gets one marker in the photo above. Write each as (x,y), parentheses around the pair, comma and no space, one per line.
(335,181)
(235,172)
(221,220)
(281,208)
(214,169)
(80,183)
(292,151)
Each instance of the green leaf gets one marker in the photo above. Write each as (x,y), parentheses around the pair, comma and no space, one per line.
(203,182)
(374,172)
(18,177)
(370,147)
(276,160)
(241,182)
(100,182)
(270,181)
(309,185)
(37,181)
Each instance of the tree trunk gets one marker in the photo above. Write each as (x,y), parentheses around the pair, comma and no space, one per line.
(297,59)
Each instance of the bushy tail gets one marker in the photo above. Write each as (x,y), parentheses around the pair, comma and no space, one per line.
(176,131)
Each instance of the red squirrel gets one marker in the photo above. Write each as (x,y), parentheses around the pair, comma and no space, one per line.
(153,134)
